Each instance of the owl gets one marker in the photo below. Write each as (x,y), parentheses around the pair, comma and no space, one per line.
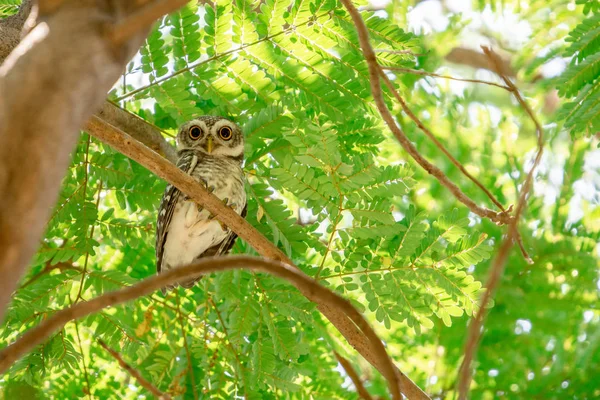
(211,150)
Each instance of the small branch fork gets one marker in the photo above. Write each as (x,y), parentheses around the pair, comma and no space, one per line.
(134,373)
(375,74)
(305,284)
(475,327)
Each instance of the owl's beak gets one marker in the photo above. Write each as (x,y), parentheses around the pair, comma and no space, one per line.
(209,144)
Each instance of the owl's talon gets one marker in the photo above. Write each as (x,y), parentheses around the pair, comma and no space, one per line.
(210,189)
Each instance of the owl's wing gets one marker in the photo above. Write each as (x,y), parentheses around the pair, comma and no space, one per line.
(186,163)
(227,243)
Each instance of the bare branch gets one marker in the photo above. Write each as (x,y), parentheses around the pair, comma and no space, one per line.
(374,75)
(305,284)
(452,78)
(134,373)
(133,149)
(360,388)
(143,18)
(474,331)
(437,143)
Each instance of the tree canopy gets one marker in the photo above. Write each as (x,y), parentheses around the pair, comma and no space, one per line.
(329,184)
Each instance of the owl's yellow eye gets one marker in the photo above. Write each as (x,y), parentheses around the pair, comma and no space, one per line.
(225,133)
(195,132)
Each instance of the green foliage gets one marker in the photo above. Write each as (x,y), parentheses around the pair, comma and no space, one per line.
(581,81)
(331,187)
(9,7)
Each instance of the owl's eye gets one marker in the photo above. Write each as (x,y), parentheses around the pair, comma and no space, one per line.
(195,132)
(225,133)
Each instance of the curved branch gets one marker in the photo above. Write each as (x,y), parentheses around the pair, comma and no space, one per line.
(133,149)
(318,294)
(375,72)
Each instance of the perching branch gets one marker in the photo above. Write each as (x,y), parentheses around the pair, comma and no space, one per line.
(375,73)
(134,373)
(474,331)
(318,294)
(133,149)
(360,388)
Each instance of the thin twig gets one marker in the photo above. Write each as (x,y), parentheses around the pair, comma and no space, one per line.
(497,269)
(87,254)
(375,73)
(452,78)
(190,366)
(134,373)
(437,143)
(360,388)
(85,371)
(409,52)
(144,17)
(319,294)
(192,67)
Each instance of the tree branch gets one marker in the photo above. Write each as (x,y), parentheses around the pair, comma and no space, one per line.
(497,269)
(133,149)
(375,73)
(360,388)
(305,284)
(134,373)
(50,85)
(437,143)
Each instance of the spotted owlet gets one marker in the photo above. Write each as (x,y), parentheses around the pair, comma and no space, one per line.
(210,149)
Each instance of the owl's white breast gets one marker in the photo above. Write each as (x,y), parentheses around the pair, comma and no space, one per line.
(191,233)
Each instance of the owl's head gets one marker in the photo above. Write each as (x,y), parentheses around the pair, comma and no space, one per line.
(215,136)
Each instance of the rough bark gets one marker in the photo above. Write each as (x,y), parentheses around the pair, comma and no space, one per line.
(50,84)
